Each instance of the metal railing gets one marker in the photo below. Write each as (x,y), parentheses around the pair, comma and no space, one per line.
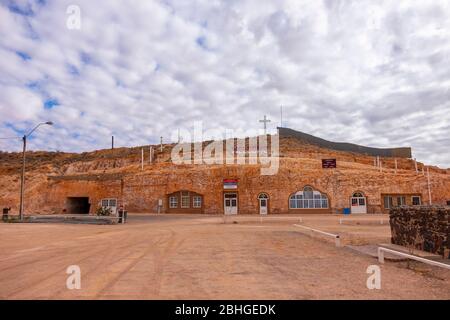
(382,250)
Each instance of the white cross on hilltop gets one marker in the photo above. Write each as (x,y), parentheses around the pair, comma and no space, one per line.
(265,121)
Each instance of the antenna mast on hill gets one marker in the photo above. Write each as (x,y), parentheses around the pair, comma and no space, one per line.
(281,116)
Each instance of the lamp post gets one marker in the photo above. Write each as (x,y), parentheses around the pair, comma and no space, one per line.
(22,182)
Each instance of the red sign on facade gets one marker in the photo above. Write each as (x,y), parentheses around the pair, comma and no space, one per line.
(230,183)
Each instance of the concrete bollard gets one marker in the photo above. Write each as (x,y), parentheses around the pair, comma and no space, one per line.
(338,241)
(380,255)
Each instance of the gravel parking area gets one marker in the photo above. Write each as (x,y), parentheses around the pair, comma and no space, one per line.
(201,257)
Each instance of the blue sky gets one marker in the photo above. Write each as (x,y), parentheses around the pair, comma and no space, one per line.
(370,72)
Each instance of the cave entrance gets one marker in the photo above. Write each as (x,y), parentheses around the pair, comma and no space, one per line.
(78,205)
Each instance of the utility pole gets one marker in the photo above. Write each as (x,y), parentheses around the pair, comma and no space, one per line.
(112,143)
(161,144)
(429,186)
(151,154)
(22,179)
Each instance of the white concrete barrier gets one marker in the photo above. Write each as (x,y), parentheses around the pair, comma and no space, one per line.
(342,220)
(381,251)
(336,237)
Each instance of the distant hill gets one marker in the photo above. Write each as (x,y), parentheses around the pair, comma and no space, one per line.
(404,152)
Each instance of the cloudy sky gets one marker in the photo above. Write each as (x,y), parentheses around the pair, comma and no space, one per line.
(370,72)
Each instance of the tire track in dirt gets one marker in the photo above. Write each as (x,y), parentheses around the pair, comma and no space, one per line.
(61,270)
(161,259)
(116,279)
(54,246)
(110,258)
(55,272)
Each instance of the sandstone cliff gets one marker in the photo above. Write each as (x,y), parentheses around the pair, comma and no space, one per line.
(53,176)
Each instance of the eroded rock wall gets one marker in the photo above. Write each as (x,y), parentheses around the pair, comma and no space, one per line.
(52,178)
(141,190)
(425,228)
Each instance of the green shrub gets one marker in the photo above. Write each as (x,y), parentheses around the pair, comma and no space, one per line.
(102,211)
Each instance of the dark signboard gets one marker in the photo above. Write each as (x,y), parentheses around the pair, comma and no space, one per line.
(328,163)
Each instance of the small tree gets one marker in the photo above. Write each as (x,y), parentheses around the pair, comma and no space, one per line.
(104,211)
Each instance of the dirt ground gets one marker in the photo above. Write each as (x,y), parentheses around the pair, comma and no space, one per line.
(201,257)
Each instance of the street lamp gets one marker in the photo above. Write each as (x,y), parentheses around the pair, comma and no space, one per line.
(22,182)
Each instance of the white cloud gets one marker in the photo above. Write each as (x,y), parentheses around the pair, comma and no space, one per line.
(17,104)
(374,73)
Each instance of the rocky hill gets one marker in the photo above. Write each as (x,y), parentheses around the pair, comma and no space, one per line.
(103,164)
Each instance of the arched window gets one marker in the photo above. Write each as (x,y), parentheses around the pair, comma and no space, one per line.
(308,192)
(308,199)
(263,196)
(358,195)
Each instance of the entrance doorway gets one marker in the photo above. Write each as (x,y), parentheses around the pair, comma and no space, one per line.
(78,205)
(263,200)
(358,203)
(231,203)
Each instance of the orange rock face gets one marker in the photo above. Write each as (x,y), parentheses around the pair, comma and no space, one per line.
(52,178)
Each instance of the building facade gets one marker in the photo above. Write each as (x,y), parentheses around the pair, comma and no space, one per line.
(242,190)
(356,179)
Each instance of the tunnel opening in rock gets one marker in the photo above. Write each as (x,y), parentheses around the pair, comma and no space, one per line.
(78,205)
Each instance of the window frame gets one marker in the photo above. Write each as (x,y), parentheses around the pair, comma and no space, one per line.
(185,195)
(197,202)
(109,202)
(171,202)
(390,202)
(416,197)
(402,201)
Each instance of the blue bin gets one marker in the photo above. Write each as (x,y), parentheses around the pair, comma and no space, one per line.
(347,211)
